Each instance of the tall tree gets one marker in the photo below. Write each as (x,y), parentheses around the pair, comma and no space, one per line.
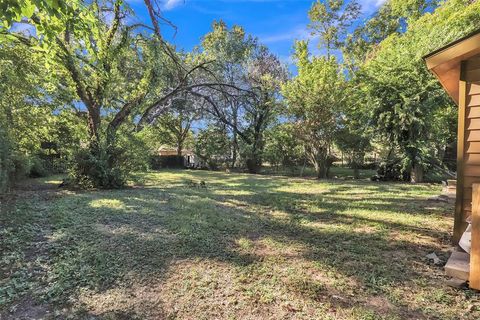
(314,98)
(229,49)
(212,145)
(175,126)
(392,17)
(254,74)
(116,68)
(330,19)
(398,94)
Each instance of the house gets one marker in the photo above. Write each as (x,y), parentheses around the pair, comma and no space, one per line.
(457,66)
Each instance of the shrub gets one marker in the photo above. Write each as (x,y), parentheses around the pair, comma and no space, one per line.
(5,161)
(132,152)
(392,170)
(20,166)
(95,170)
(37,168)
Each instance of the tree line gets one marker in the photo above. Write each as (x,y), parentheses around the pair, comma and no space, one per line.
(90,91)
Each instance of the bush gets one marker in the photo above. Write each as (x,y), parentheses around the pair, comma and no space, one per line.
(5,161)
(20,166)
(15,165)
(95,170)
(132,153)
(392,170)
(37,168)
(212,145)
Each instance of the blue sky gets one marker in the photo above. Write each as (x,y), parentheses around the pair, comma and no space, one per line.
(277,23)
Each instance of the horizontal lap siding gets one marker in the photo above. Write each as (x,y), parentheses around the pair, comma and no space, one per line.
(472,124)
(473,88)
(473,136)
(472,147)
(472,159)
(471,169)
(473,112)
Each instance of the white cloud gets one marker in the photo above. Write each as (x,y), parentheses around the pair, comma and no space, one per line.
(170,4)
(371,5)
(298,33)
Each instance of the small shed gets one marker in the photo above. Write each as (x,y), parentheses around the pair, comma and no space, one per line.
(170,156)
(457,66)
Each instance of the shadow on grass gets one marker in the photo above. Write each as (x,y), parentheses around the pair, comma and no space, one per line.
(101,239)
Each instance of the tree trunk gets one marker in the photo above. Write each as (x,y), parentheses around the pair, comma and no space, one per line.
(321,169)
(93,127)
(235,150)
(303,166)
(319,158)
(179,149)
(356,172)
(254,160)
(355,165)
(416,174)
(253,164)
(235,136)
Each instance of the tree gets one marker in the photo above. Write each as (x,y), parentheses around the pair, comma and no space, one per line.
(116,69)
(353,143)
(174,127)
(230,50)
(212,146)
(282,146)
(393,17)
(254,76)
(330,20)
(314,98)
(400,96)
(26,107)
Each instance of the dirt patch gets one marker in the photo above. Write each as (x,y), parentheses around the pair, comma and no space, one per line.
(27,309)
(379,304)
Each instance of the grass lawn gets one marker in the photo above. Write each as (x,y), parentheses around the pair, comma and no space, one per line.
(243,247)
(309,172)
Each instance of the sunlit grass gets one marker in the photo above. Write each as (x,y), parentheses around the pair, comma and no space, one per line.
(242,246)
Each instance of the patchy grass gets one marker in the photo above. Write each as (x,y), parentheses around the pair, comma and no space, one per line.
(240,247)
(337,172)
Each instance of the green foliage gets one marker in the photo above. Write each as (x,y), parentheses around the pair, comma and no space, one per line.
(133,152)
(37,168)
(330,19)
(160,162)
(228,47)
(354,144)
(109,166)
(15,10)
(314,99)
(392,169)
(398,93)
(33,112)
(250,102)
(26,112)
(128,80)
(94,170)
(212,146)
(5,160)
(173,129)
(393,17)
(282,146)
(116,72)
